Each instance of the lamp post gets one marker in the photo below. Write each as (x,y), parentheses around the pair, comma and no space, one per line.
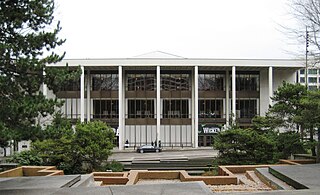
(306,68)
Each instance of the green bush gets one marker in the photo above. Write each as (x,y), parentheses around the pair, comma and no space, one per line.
(83,151)
(27,158)
(114,166)
(288,143)
(244,146)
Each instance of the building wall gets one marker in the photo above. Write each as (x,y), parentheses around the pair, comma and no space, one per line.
(264,91)
(178,132)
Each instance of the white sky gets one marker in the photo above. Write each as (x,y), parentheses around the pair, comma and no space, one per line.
(188,28)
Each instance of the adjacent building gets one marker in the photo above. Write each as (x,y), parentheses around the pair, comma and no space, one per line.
(313,77)
(167,99)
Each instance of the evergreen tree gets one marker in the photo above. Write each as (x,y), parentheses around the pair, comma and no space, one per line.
(295,108)
(27,40)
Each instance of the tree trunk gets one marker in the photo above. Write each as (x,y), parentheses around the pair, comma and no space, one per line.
(302,132)
(313,147)
(4,152)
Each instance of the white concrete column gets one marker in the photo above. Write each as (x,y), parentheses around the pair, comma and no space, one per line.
(227,108)
(88,96)
(196,102)
(44,86)
(121,106)
(158,77)
(233,94)
(193,112)
(270,84)
(82,95)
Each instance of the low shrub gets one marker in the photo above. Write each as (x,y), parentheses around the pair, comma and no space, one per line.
(26,158)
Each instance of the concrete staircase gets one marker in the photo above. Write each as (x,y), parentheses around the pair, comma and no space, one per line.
(195,165)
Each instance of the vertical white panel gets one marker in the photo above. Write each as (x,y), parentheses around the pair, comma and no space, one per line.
(85,106)
(270,85)
(143,133)
(233,94)
(44,86)
(91,108)
(63,108)
(75,105)
(172,134)
(120,95)
(227,107)
(68,109)
(264,92)
(158,102)
(193,112)
(162,133)
(184,133)
(149,133)
(154,132)
(196,119)
(189,133)
(127,133)
(82,95)
(167,130)
(138,134)
(178,134)
(88,106)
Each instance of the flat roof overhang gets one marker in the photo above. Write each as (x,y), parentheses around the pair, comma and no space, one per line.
(212,64)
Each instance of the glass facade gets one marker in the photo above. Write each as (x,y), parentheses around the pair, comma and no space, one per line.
(246,108)
(210,109)
(105,109)
(175,108)
(105,82)
(140,109)
(246,81)
(141,82)
(312,79)
(211,82)
(312,88)
(175,82)
(71,86)
(312,71)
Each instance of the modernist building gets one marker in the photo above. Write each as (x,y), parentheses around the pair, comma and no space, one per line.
(178,101)
(313,76)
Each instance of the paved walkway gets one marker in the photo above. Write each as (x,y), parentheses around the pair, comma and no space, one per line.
(177,153)
(186,188)
(306,176)
(165,149)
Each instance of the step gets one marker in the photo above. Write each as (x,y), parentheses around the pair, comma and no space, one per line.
(166,168)
(86,180)
(271,181)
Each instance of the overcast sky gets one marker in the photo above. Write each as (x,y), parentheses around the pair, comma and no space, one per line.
(188,28)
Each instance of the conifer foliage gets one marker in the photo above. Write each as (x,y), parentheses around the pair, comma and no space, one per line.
(28,36)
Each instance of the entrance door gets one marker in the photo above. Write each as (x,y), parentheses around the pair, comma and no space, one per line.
(205,140)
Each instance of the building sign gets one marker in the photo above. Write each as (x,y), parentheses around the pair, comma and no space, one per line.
(116,131)
(209,129)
